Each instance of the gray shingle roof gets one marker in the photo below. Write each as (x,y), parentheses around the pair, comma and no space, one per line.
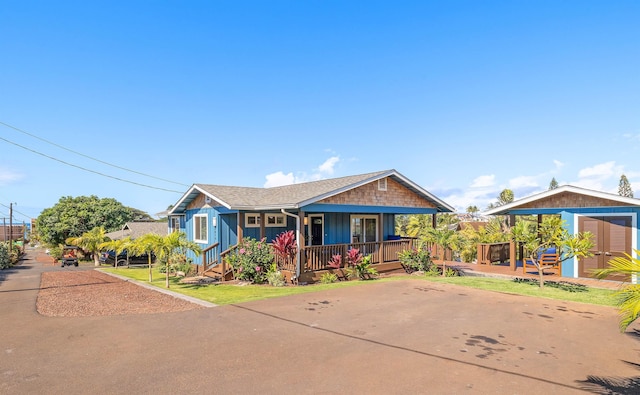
(137,229)
(295,195)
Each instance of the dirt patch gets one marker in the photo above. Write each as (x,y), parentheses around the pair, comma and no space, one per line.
(91,293)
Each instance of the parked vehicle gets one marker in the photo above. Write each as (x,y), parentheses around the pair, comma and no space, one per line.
(109,257)
(69,256)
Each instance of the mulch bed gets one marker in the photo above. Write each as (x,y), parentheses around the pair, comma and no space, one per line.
(92,293)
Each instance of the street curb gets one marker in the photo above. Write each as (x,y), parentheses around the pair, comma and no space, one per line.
(161,290)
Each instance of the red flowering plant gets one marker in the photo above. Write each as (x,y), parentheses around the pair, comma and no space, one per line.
(251,260)
(359,266)
(284,247)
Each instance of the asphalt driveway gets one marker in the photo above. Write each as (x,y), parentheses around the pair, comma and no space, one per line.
(394,337)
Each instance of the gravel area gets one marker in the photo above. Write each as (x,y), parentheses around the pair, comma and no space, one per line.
(92,293)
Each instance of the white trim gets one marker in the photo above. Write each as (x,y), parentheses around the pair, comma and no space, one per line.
(565,188)
(206,222)
(280,220)
(311,216)
(634,234)
(255,224)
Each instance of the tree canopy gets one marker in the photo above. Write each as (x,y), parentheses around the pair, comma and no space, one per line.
(553,184)
(624,188)
(74,216)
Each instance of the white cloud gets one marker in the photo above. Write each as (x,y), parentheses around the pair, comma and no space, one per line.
(484,181)
(602,170)
(523,181)
(278,179)
(559,165)
(328,165)
(8,176)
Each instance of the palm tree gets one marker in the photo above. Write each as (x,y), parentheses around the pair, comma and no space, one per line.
(628,298)
(90,241)
(118,246)
(147,244)
(171,243)
(447,239)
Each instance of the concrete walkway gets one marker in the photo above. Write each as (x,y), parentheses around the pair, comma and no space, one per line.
(398,337)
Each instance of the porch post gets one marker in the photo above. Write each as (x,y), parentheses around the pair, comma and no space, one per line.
(262,226)
(381,239)
(240,226)
(434,221)
(301,255)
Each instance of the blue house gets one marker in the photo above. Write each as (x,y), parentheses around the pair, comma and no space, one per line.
(328,217)
(612,219)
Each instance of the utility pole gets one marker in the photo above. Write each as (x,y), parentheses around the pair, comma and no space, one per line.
(10,227)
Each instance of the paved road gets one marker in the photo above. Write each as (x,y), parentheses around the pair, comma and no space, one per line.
(401,337)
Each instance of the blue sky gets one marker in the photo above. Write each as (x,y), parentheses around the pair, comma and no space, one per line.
(465,98)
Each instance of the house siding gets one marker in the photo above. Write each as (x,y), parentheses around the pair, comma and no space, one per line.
(370,195)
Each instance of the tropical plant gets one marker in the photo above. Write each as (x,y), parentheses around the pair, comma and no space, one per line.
(416,259)
(147,244)
(447,239)
(251,260)
(627,298)
(359,266)
(118,246)
(90,241)
(284,246)
(174,242)
(551,233)
(328,278)
(275,278)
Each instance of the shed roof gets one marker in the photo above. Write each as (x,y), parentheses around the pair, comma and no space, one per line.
(295,196)
(564,197)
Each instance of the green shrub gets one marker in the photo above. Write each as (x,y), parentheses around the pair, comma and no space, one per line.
(251,260)
(328,278)
(417,259)
(5,259)
(275,278)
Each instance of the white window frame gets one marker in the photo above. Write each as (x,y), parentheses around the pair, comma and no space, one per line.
(280,220)
(197,219)
(256,219)
(362,217)
(175,221)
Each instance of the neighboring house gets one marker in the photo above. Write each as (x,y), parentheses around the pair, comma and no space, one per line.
(137,229)
(612,219)
(328,216)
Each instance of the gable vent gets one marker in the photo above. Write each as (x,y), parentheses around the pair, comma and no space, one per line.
(382,184)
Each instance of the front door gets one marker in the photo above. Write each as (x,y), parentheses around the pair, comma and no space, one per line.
(317,230)
(611,238)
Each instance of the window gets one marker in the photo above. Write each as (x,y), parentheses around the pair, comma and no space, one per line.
(270,220)
(364,228)
(275,220)
(252,220)
(175,224)
(200,234)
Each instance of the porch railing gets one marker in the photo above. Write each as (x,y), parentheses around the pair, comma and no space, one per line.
(489,253)
(210,257)
(316,257)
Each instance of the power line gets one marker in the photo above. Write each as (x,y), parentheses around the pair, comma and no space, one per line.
(16,211)
(88,170)
(89,157)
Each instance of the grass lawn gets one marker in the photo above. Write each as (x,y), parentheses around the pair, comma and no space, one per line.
(226,294)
